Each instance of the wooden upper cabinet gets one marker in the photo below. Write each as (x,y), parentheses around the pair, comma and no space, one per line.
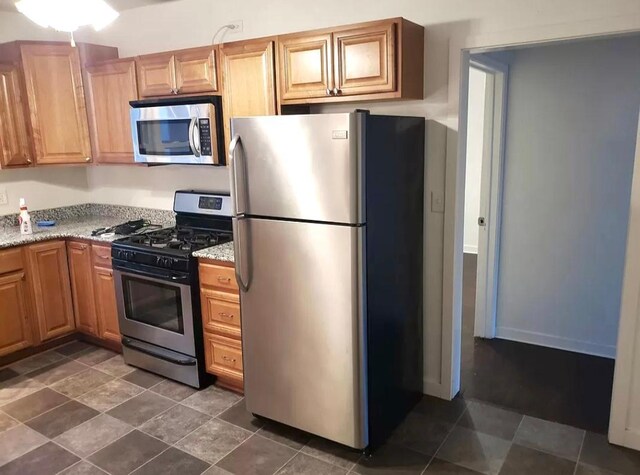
(306,68)
(81,270)
(367,61)
(15,327)
(196,70)
(185,71)
(364,60)
(248,79)
(156,74)
(56,103)
(109,87)
(51,289)
(15,148)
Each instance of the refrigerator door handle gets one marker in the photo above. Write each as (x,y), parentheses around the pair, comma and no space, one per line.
(237,194)
(240,257)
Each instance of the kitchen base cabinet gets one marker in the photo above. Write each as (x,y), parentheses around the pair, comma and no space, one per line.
(15,324)
(51,289)
(105,292)
(221,323)
(81,272)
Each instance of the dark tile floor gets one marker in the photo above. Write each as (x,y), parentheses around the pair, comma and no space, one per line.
(562,386)
(79,410)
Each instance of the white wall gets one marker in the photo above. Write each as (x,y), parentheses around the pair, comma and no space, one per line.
(475,133)
(449,27)
(570,141)
(44,187)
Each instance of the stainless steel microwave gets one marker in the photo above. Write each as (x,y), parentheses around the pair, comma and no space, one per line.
(178,130)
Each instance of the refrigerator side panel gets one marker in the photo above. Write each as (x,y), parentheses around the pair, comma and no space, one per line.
(298,167)
(394,148)
(303,327)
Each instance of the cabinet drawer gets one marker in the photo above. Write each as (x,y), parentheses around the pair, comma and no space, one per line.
(223,355)
(218,276)
(11,260)
(101,255)
(220,312)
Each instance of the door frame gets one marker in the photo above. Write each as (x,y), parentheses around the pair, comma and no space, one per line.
(493,144)
(628,348)
(460,48)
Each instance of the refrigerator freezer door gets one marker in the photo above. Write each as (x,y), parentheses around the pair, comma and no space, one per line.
(303,329)
(304,167)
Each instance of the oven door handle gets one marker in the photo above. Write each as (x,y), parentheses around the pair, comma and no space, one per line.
(159,276)
(193,143)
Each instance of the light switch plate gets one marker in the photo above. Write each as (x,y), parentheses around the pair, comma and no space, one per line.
(3,197)
(437,201)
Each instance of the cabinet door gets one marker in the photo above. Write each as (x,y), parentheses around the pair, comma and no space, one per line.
(364,60)
(105,292)
(56,103)
(81,270)
(305,66)
(51,290)
(248,80)
(15,150)
(196,70)
(15,329)
(110,87)
(156,74)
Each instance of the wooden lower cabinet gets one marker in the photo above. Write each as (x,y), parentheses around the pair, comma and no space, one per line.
(107,309)
(15,324)
(221,323)
(81,271)
(51,289)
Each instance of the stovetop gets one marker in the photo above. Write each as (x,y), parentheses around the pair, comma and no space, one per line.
(184,240)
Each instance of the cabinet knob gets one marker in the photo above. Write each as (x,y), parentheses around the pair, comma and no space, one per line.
(88,159)
(336,91)
(328,92)
(29,161)
(224,280)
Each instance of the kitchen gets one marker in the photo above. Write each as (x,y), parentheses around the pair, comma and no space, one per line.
(253,77)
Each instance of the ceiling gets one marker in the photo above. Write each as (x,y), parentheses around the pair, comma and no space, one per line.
(9,5)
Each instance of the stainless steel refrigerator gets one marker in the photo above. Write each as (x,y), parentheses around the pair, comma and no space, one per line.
(328,245)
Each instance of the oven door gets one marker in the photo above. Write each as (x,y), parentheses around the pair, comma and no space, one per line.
(155,306)
(181,134)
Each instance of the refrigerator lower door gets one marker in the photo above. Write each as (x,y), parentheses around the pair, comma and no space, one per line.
(303,329)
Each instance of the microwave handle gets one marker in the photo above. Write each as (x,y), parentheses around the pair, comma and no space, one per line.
(194,143)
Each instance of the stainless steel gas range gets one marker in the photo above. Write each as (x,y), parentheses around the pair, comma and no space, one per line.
(157,288)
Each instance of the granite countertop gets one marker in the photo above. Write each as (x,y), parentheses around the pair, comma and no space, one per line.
(70,228)
(221,252)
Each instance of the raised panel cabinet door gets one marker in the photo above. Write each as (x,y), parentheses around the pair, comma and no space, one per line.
(51,289)
(364,60)
(81,270)
(15,328)
(306,69)
(15,149)
(105,291)
(110,87)
(156,74)
(248,80)
(196,70)
(56,103)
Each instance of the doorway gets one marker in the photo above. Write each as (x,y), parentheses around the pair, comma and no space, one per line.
(560,367)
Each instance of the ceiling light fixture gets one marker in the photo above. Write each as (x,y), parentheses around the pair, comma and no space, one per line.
(68,15)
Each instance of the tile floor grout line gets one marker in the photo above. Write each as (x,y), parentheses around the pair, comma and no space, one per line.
(285,464)
(53,408)
(325,461)
(584,436)
(435,453)
(236,447)
(153,458)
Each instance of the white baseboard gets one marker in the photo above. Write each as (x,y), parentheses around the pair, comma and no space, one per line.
(553,341)
(470,249)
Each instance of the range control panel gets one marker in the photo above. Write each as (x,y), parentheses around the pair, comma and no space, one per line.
(204,125)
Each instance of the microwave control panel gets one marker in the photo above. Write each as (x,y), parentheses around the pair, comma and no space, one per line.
(204,126)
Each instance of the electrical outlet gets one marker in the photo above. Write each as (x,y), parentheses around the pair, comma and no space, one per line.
(3,197)
(235,26)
